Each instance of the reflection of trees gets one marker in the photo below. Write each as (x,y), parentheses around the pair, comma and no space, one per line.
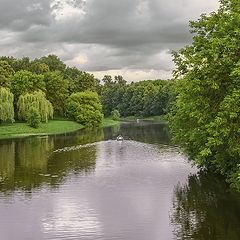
(28,163)
(80,161)
(206,209)
(32,153)
(7,159)
(78,138)
(145,132)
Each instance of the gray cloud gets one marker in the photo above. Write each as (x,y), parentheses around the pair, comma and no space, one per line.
(100,35)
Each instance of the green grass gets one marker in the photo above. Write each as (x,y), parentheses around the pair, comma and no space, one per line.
(107,122)
(56,126)
(52,127)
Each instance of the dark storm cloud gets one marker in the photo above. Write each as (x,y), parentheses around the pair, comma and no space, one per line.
(100,35)
(20,15)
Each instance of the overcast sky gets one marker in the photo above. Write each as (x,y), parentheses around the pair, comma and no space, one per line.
(133,38)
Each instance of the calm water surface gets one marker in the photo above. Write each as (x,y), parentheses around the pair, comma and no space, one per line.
(87,185)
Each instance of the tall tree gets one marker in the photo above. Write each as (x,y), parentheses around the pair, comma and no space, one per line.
(26,82)
(56,90)
(206,117)
(6,73)
(53,62)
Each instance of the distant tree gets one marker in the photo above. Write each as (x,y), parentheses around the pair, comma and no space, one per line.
(85,108)
(107,79)
(6,73)
(35,100)
(119,79)
(26,82)
(39,68)
(83,82)
(6,105)
(53,62)
(21,64)
(56,90)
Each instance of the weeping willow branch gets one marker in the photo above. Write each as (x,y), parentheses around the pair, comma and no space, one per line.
(6,105)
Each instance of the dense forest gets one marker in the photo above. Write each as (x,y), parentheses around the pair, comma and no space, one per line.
(37,90)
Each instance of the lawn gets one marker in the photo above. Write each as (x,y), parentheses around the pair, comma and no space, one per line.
(52,127)
(19,129)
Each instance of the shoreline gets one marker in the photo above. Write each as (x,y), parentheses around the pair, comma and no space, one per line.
(53,127)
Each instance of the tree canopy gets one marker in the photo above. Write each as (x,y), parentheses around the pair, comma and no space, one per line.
(85,108)
(206,116)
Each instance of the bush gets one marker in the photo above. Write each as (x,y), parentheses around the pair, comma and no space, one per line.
(33,117)
(115,115)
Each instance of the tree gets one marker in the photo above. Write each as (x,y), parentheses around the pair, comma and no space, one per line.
(85,108)
(6,73)
(26,82)
(83,82)
(53,62)
(6,105)
(56,90)
(206,116)
(36,100)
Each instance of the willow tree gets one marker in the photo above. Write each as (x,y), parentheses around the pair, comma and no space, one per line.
(35,100)
(6,105)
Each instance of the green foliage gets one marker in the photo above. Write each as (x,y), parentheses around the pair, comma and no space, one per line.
(36,100)
(26,82)
(6,105)
(81,81)
(206,117)
(6,73)
(85,108)
(115,115)
(33,117)
(56,90)
(53,63)
(145,98)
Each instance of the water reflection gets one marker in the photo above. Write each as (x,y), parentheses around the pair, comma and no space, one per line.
(205,208)
(30,162)
(86,185)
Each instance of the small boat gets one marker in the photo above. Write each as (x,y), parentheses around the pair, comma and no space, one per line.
(120,138)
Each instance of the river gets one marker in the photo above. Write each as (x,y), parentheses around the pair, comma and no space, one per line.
(88,186)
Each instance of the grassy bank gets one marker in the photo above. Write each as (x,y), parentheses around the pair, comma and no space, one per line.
(52,127)
(152,118)
(58,126)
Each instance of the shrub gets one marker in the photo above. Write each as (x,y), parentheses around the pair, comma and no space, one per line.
(33,117)
(115,115)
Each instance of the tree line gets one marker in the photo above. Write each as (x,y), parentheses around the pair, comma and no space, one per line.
(141,99)
(36,90)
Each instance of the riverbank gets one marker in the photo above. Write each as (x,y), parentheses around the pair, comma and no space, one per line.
(161,118)
(18,130)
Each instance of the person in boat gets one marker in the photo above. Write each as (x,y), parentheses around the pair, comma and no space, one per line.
(120,138)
